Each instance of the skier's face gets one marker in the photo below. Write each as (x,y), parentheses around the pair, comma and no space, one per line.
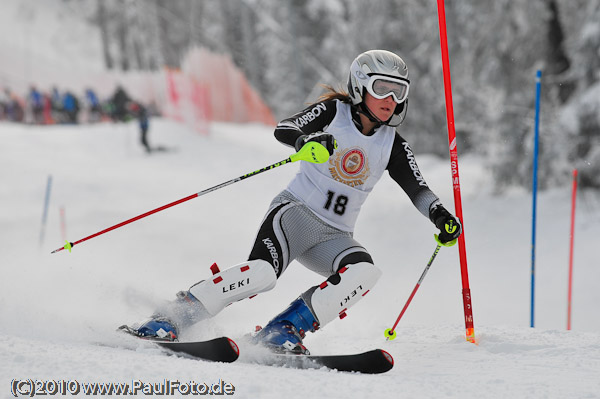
(382,109)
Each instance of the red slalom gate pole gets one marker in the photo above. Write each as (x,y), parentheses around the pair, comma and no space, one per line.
(571,239)
(466,291)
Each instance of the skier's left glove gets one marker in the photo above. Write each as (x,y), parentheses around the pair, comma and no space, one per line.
(450,227)
(325,139)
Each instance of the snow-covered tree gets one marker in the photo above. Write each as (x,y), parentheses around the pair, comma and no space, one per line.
(288,47)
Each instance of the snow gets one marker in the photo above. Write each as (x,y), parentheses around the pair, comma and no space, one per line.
(58,312)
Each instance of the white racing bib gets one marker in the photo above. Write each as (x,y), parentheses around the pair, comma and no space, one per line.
(335,190)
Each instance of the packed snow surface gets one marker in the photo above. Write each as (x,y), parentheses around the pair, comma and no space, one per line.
(58,312)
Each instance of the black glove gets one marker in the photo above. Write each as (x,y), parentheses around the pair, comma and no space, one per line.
(450,227)
(325,139)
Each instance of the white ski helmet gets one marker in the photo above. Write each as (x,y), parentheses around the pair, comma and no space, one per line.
(379,65)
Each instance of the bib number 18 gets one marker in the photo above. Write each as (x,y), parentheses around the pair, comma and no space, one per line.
(339,202)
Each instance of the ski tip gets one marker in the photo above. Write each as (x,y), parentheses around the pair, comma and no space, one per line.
(234,346)
(225,349)
(387,357)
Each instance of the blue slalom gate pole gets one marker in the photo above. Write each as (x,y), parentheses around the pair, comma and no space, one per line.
(538,82)
(45,212)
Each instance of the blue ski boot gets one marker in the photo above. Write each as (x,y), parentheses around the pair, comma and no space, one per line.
(284,333)
(168,320)
(158,329)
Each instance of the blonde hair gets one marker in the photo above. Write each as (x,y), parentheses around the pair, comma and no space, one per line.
(332,93)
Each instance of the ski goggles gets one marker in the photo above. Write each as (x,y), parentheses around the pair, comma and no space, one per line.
(381,87)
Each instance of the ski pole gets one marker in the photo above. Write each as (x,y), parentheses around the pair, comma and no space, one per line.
(390,333)
(311,152)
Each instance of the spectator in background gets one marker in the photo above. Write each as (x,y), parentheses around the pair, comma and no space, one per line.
(56,106)
(144,124)
(3,104)
(123,109)
(141,113)
(70,106)
(120,102)
(13,110)
(35,105)
(93,106)
(47,109)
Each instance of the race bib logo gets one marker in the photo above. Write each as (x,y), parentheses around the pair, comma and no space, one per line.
(349,167)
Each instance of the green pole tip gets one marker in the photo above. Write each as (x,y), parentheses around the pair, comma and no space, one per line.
(390,335)
(68,246)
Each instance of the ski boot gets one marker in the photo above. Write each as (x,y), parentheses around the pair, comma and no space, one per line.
(169,319)
(284,333)
(157,328)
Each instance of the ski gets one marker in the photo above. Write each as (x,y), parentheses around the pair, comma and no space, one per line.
(371,362)
(221,349)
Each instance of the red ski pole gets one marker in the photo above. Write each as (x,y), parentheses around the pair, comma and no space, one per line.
(390,333)
(311,152)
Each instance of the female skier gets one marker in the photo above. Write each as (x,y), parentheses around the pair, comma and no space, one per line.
(312,220)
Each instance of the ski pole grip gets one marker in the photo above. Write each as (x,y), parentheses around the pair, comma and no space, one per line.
(312,152)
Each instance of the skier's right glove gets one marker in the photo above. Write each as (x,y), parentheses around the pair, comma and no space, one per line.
(450,227)
(325,139)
